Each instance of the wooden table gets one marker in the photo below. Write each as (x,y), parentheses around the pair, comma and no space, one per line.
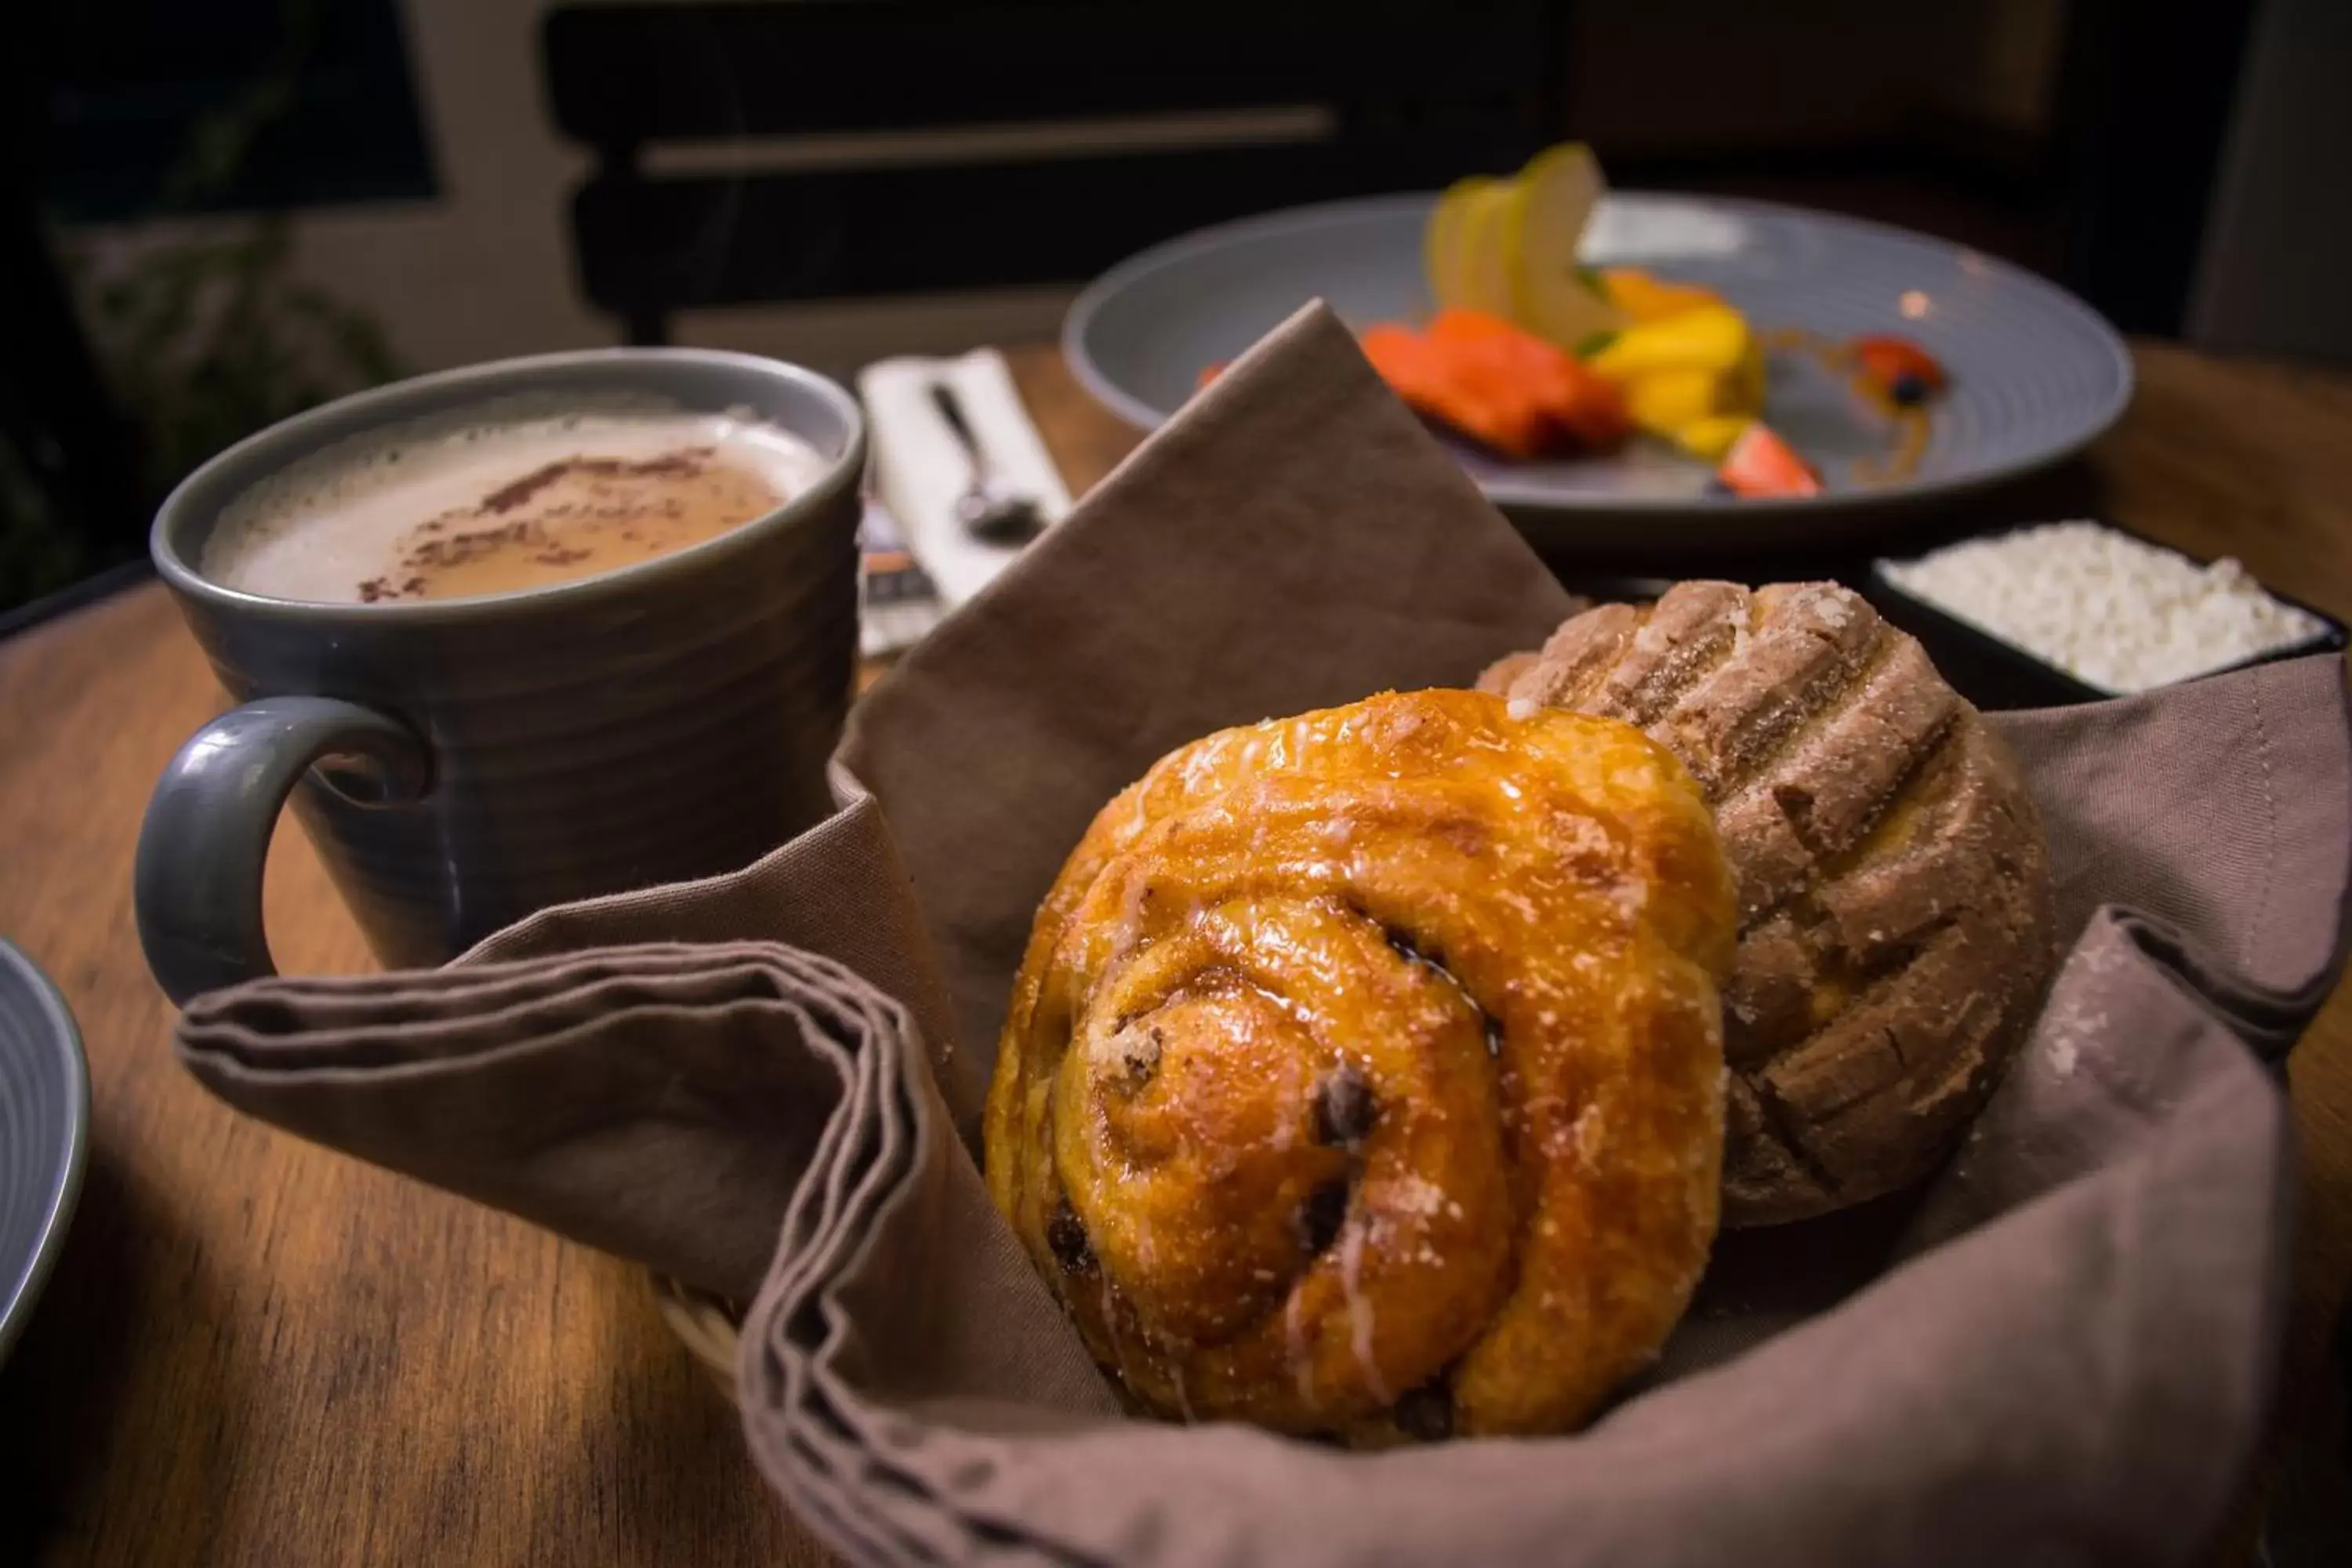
(254,1351)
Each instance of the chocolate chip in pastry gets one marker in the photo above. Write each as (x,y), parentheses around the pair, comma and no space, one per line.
(1893,891)
(1364,1074)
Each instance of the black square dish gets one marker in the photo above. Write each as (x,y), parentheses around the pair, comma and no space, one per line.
(1995,673)
(1990,672)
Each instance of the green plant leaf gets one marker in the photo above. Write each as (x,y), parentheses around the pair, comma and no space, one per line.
(206,339)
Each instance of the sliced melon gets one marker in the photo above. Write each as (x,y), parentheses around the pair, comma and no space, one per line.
(1489,221)
(1557,298)
(1441,240)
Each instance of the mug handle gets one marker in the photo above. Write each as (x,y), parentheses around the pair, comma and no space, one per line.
(196,883)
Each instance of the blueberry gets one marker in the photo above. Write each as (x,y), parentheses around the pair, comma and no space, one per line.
(1065,1234)
(1319,1219)
(1427,1412)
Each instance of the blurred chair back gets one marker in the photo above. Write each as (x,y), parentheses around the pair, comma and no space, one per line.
(1382,96)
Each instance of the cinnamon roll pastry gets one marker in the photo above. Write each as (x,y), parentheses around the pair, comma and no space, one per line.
(1364,1075)
(1895,927)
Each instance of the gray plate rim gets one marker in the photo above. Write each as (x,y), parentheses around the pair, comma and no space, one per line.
(1079,317)
(64,1036)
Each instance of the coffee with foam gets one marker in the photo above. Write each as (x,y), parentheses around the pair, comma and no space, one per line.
(503,501)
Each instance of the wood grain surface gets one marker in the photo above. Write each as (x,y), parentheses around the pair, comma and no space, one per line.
(256,1352)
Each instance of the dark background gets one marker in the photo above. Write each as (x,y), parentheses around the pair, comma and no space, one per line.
(133,84)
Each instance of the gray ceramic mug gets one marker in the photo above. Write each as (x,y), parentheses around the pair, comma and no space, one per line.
(461,763)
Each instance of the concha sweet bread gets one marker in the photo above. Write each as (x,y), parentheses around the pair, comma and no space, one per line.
(1893,890)
(1364,1074)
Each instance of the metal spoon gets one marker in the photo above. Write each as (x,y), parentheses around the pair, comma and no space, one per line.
(988,509)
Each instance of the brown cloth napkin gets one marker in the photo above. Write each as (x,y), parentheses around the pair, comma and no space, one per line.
(2060,1349)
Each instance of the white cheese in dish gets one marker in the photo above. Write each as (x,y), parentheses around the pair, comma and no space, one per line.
(2108,609)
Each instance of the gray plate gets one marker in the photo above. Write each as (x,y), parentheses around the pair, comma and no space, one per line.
(2036,373)
(44,1133)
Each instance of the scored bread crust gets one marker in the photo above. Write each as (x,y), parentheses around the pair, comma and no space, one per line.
(1895,927)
